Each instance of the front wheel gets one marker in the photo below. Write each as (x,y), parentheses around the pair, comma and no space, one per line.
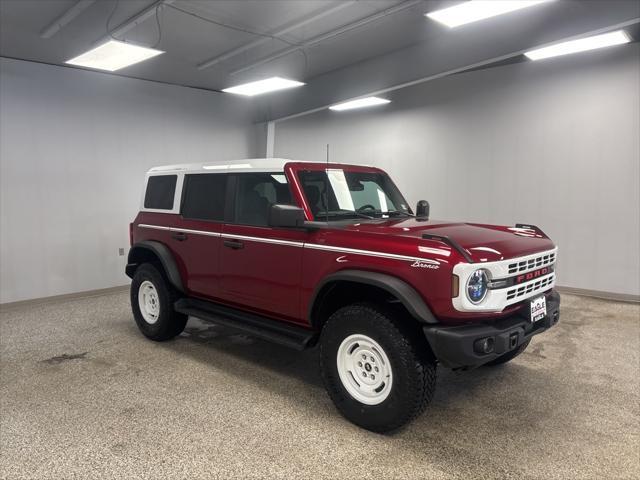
(152,301)
(376,372)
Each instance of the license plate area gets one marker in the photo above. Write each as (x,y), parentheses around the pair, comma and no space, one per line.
(538,309)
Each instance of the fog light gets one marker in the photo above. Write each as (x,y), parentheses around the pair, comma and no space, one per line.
(484,345)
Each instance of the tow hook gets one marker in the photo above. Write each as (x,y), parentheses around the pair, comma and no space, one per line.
(513,340)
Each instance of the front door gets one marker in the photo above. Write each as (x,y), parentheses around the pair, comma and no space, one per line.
(260,266)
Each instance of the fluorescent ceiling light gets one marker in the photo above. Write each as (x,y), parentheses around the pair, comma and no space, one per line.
(475,10)
(113,55)
(263,86)
(580,45)
(360,103)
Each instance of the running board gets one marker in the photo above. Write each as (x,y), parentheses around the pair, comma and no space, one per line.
(274,331)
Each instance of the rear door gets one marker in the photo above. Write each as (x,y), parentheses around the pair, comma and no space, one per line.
(260,267)
(196,235)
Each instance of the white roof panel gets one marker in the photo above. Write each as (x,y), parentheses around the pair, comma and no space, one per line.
(249,164)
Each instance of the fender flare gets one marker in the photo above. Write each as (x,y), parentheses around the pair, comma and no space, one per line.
(400,289)
(164,255)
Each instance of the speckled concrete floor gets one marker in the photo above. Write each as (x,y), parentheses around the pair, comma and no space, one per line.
(84,395)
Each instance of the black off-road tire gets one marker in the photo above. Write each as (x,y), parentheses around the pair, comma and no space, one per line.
(413,366)
(509,355)
(169,323)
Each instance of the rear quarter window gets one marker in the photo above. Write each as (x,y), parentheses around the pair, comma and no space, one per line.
(160,192)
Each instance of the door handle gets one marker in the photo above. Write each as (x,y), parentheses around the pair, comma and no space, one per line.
(235,244)
(180,236)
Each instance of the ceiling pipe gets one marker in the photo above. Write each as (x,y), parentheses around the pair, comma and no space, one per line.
(60,22)
(301,23)
(134,21)
(482,63)
(329,35)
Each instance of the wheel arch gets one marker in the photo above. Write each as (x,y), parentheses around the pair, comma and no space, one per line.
(394,287)
(150,251)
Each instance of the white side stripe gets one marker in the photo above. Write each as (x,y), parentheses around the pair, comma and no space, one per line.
(313,246)
(264,240)
(369,253)
(155,227)
(196,232)
(183,230)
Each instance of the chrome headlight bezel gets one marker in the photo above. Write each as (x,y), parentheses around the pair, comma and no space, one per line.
(480,276)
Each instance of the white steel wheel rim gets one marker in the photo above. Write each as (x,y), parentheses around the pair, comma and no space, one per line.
(364,369)
(149,302)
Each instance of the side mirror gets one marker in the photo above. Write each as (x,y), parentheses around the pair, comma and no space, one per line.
(422,210)
(286,216)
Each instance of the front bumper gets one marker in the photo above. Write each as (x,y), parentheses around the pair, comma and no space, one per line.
(454,346)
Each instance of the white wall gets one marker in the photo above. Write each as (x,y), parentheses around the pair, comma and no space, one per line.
(555,143)
(74,146)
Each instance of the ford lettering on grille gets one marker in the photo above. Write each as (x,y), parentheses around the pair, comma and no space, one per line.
(525,277)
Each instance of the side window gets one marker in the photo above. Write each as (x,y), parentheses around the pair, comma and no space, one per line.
(160,192)
(204,196)
(256,193)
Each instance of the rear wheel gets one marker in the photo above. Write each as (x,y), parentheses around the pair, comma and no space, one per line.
(509,355)
(152,300)
(376,372)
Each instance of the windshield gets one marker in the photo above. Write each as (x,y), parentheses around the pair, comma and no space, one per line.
(340,193)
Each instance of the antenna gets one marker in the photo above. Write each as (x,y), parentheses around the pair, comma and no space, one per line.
(326,189)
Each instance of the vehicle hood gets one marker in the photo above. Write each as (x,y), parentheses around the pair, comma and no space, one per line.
(484,243)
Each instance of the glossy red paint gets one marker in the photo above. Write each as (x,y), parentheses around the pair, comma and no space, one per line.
(279,279)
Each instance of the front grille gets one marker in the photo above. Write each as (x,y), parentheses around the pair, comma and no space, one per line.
(530,288)
(532,263)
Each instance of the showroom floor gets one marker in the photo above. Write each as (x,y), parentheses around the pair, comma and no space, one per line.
(84,395)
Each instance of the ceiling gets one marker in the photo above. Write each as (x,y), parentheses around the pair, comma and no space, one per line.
(340,48)
(189,36)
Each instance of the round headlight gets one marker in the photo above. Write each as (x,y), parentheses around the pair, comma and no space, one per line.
(477,286)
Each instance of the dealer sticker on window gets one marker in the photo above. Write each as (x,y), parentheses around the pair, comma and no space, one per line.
(538,309)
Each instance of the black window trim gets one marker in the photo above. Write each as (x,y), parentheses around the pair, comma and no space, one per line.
(230,200)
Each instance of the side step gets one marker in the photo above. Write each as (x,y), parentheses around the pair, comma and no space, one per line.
(255,325)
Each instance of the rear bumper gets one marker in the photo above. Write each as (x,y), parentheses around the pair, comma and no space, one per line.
(454,346)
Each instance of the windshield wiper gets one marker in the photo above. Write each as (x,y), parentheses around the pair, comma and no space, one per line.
(398,212)
(321,215)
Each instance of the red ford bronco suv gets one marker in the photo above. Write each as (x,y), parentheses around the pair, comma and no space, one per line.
(305,253)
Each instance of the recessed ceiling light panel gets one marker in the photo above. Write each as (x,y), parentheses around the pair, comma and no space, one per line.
(113,55)
(360,103)
(475,10)
(263,86)
(580,45)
